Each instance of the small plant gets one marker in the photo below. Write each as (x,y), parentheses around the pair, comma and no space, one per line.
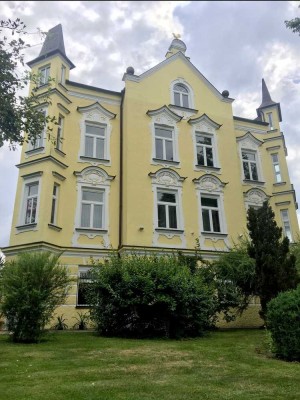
(82,321)
(60,325)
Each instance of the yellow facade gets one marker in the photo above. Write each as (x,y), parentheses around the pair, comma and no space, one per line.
(154,167)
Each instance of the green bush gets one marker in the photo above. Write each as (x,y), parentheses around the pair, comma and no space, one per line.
(31,287)
(283,321)
(150,296)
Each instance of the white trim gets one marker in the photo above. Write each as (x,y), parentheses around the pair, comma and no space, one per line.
(248,143)
(288,221)
(191,96)
(92,178)
(22,210)
(40,149)
(255,198)
(246,128)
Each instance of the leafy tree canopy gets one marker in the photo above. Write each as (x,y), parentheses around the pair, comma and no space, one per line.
(18,114)
(293,24)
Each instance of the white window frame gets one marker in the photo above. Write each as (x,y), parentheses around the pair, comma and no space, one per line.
(249,162)
(286,224)
(54,204)
(183,82)
(278,177)
(167,205)
(40,140)
(44,73)
(63,74)
(210,209)
(270,120)
(34,178)
(205,146)
(60,132)
(164,140)
(92,207)
(94,138)
(181,95)
(250,144)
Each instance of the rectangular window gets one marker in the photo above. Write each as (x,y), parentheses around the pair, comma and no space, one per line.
(250,165)
(59,135)
(63,74)
(276,166)
(210,214)
(30,202)
(54,204)
(270,120)
(167,210)
(39,140)
(83,285)
(92,209)
(94,141)
(164,147)
(286,224)
(204,145)
(44,74)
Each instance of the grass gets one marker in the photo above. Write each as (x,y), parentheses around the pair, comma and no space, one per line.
(224,365)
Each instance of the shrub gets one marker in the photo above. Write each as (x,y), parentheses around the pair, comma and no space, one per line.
(283,321)
(150,296)
(60,324)
(31,286)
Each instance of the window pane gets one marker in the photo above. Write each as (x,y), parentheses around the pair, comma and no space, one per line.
(254,172)
(100,148)
(159,148)
(95,130)
(216,221)
(248,156)
(209,157)
(180,88)
(172,217)
(177,99)
(52,219)
(209,202)
(278,177)
(275,158)
(89,146)
(97,222)
(284,214)
(165,133)
(85,215)
(95,196)
(166,197)
(28,211)
(169,150)
(205,218)
(200,155)
(161,211)
(185,100)
(33,189)
(203,140)
(246,170)
(33,211)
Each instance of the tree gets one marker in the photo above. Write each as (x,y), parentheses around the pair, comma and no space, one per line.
(293,24)
(18,114)
(31,287)
(275,269)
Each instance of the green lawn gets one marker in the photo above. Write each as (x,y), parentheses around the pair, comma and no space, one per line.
(80,365)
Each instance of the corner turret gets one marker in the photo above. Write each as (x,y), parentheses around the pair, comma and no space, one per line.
(269,111)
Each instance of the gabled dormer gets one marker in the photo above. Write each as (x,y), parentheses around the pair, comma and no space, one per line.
(52,60)
(269,111)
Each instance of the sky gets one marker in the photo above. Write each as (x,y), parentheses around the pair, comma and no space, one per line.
(234,44)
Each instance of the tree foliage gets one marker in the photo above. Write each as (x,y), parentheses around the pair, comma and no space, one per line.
(146,296)
(293,24)
(19,114)
(31,287)
(275,269)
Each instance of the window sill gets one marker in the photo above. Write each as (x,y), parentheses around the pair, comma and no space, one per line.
(26,226)
(169,230)
(279,184)
(251,182)
(198,166)
(93,159)
(160,160)
(43,86)
(91,230)
(214,234)
(60,152)
(34,151)
(55,227)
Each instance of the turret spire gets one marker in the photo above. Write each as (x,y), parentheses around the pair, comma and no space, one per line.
(266,98)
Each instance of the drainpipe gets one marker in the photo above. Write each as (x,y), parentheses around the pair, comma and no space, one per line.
(121,175)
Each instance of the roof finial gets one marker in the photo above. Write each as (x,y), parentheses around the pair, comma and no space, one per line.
(176,35)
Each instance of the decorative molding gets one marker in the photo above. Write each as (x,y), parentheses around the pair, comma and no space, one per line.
(100,99)
(96,112)
(42,159)
(248,141)
(205,123)
(55,227)
(255,197)
(245,128)
(32,175)
(94,176)
(273,148)
(167,178)
(282,203)
(210,183)
(58,176)
(164,115)
(63,108)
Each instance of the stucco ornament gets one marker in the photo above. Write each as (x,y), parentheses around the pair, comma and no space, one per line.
(165,178)
(164,119)
(203,127)
(256,197)
(94,177)
(95,116)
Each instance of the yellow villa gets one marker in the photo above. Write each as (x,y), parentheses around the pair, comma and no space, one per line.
(155,167)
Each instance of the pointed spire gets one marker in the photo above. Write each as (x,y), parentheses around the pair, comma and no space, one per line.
(266,98)
(54,41)
(53,44)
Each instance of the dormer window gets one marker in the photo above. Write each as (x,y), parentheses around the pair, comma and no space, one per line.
(44,74)
(181,95)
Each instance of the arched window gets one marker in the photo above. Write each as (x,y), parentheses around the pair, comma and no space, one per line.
(181,95)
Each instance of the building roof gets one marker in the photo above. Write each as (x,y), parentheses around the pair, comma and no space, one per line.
(53,44)
(265,95)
